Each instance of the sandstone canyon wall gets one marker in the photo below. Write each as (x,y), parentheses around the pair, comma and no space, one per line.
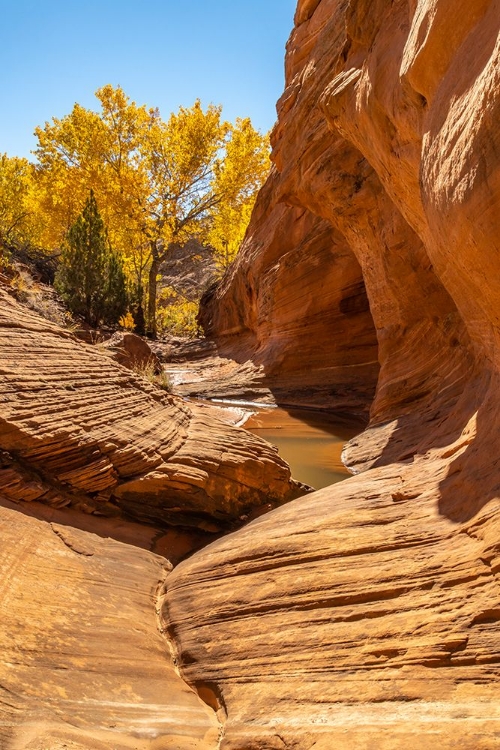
(364,615)
(295,303)
(367,614)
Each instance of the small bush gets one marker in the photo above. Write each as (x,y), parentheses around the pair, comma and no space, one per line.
(127,322)
(147,371)
(39,297)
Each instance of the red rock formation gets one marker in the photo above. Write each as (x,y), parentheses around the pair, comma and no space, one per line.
(76,429)
(131,351)
(295,303)
(367,614)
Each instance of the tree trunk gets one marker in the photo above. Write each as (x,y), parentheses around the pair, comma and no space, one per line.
(153,273)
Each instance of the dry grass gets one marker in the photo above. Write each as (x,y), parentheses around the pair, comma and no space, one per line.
(39,297)
(148,372)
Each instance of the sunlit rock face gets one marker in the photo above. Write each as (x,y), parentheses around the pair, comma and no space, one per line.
(77,429)
(367,614)
(83,662)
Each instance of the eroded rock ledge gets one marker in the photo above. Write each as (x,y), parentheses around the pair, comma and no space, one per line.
(366,615)
(77,429)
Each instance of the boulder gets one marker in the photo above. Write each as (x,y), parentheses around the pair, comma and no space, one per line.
(133,352)
(78,429)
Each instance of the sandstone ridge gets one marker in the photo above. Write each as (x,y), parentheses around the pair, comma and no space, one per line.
(76,429)
(84,665)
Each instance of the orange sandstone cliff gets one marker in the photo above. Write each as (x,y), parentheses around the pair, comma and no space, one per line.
(367,614)
(295,303)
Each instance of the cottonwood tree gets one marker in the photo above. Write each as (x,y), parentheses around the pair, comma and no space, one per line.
(181,156)
(20,218)
(158,183)
(237,180)
(84,151)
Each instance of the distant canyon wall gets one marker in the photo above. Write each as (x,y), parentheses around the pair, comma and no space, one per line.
(295,303)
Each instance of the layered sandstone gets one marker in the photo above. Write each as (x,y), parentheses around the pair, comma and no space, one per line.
(362,616)
(77,429)
(367,614)
(295,304)
(84,665)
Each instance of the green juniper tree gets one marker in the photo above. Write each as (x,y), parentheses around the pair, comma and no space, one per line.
(115,295)
(91,277)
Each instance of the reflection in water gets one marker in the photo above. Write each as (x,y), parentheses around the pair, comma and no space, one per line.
(310,442)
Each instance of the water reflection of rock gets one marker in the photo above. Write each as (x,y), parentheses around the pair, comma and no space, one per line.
(310,442)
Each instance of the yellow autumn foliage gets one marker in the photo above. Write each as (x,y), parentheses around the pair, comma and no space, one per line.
(20,210)
(157,182)
(237,180)
(127,321)
(176,315)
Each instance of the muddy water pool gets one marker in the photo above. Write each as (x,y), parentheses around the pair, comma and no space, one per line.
(310,442)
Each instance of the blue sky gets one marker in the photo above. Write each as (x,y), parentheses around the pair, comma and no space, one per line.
(163,53)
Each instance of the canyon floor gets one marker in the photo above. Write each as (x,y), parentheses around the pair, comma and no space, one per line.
(362,615)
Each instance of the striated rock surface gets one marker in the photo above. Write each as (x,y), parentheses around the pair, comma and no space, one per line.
(366,615)
(360,617)
(83,663)
(76,429)
(195,368)
(295,304)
